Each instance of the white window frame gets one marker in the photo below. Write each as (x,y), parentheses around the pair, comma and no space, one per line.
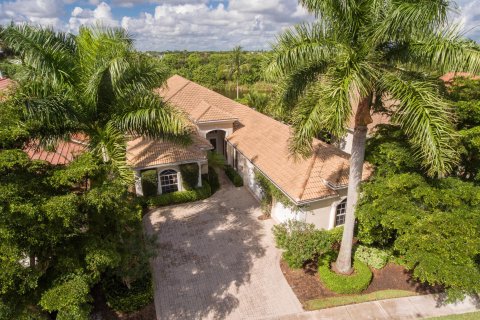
(333,212)
(342,213)
(172,173)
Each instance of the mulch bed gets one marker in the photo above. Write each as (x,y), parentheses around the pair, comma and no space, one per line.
(306,284)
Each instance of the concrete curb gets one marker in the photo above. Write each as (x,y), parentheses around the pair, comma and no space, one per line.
(414,307)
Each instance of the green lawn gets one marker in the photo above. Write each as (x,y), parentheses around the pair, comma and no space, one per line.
(465,316)
(358,298)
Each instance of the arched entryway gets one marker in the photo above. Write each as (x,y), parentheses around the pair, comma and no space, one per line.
(217,139)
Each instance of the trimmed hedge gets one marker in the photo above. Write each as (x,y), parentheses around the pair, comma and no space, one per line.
(375,258)
(189,173)
(120,298)
(180,196)
(149,182)
(233,175)
(355,283)
(213,179)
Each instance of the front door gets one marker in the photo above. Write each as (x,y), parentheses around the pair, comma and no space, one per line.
(213,142)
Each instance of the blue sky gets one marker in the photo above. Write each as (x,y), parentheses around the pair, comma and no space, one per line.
(188,24)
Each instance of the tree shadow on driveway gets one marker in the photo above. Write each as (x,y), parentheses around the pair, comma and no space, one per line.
(206,251)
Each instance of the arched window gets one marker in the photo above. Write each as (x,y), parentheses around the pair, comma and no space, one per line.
(340,213)
(169,181)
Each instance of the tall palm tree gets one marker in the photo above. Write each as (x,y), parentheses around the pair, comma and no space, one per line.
(94,84)
(355,56)
(236,65)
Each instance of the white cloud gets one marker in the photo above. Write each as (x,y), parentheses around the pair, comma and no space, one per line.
(188,24)
(102,14)
(252,24)
(43,12)
(468,18)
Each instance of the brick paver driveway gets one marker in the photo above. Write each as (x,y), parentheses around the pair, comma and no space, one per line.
(216,260)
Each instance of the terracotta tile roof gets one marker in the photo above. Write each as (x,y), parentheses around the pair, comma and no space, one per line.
(448,77)
(265,142)
(63,153)
(144,152)
(205,112)
(5,84)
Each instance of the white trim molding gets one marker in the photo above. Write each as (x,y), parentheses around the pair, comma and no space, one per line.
(333,212)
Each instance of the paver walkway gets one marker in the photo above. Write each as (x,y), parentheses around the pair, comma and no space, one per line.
(216,260)
(415,307)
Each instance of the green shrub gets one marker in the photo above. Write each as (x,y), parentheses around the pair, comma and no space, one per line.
(301,242)
(375,258)
(213,179)
(121,298)
(149,182)
(234,176)
(180,196)
(355,283)
(189,173)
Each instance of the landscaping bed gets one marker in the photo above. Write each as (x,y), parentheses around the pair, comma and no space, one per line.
(391,281)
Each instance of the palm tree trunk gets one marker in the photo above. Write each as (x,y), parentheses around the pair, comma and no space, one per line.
(362,118)
(237,89)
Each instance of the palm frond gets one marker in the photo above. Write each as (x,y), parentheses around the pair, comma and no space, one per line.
(304,45)
(109,144)
(405,19)
(425,118)
(153,118)
(48,55)
(445,51)
(336,12)
(50,113)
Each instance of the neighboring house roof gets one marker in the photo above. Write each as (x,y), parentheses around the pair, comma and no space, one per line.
(5,84)
(448,77)
(265,142)
(63,153)
(143,152)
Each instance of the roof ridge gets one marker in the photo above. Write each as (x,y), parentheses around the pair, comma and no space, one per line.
(206,110)
(180,89)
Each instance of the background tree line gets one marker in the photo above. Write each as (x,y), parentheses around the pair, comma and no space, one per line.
(216,70)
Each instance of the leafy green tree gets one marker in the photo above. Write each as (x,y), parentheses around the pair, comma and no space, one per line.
(359,53)
(59,237)
(257,100)
(94,84)
(465,94)
(432,225)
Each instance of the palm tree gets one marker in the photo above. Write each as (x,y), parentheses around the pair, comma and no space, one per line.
(236,65)
(94,84)
(357,55)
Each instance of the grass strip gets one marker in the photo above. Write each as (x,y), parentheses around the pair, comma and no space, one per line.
(317,304)
(463,316)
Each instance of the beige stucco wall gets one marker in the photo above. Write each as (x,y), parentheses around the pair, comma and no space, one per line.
(322,213)
(345,144)
(204,128)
